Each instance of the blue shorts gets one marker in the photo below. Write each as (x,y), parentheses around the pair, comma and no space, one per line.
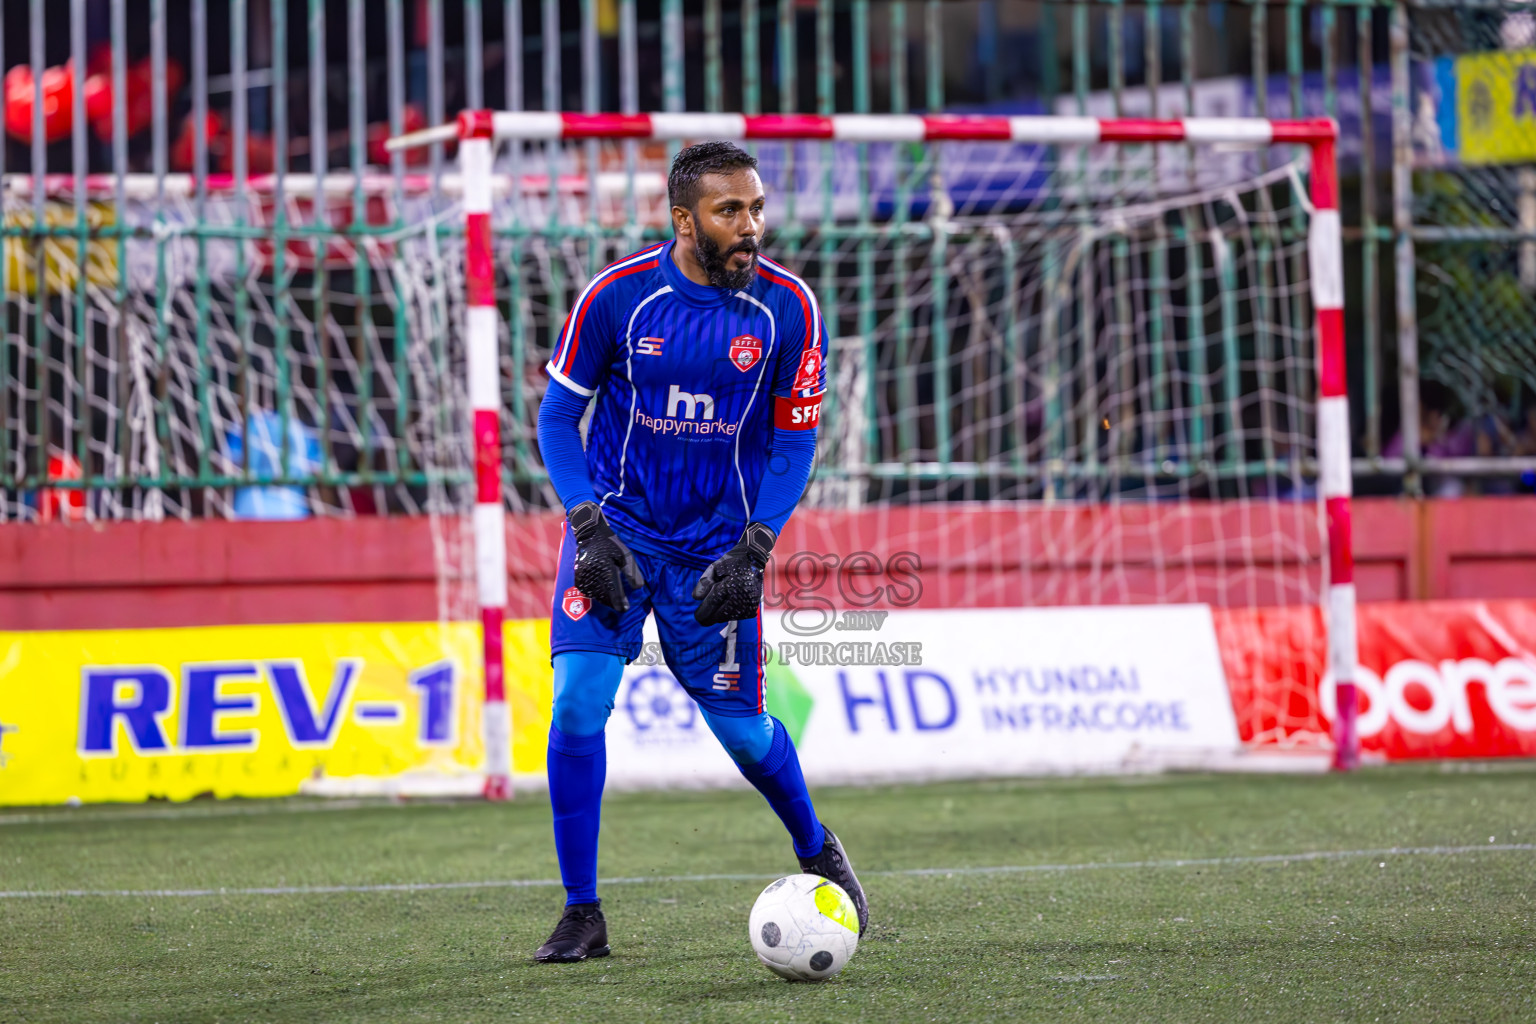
(720,666)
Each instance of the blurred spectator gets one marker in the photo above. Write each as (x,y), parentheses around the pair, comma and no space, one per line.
(1492,438)
(1525,440)
(277,501)
(1525,445)
(1438,439)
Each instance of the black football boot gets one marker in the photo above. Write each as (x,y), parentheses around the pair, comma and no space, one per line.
(581,933)
(832,864)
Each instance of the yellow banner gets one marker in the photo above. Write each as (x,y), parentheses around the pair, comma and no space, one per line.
(1496,106)
(255,710)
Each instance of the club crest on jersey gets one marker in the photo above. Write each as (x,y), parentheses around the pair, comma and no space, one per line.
(810,371)
(745,352)
(575,604)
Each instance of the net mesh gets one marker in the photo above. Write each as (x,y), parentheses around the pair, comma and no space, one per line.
(137,384)
(1087,374)
(238,357)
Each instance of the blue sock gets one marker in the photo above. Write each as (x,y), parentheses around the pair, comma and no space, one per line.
(577,767)
(777,776)
(585,685)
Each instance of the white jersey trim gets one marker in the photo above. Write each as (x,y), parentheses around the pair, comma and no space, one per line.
(563,379)
(634,392)
(566,335)
(816,329)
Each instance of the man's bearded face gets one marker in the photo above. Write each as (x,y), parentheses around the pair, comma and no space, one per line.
(723,266)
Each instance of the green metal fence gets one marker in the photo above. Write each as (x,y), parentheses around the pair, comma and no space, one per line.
(282,315)
(1466,231)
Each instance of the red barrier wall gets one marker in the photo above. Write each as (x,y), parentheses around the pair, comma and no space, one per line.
(119,575)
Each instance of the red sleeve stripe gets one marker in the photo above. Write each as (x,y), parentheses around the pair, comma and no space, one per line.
(562,353)
(570,336)
(801,292)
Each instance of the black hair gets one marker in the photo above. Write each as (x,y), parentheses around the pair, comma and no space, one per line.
(694,162)
(1434,394)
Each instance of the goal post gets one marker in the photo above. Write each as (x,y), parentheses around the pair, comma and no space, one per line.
(1202,139)
(490,532)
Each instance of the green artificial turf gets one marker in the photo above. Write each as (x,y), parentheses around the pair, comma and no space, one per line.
(1425,936)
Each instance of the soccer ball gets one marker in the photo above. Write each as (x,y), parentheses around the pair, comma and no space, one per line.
(804,928)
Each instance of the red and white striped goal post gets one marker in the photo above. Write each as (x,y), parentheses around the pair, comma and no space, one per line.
(479,130)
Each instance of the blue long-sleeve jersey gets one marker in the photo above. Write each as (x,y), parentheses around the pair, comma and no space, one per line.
(691,382)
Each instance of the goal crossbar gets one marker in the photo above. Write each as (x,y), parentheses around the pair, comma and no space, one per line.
(478,131)
(537,126)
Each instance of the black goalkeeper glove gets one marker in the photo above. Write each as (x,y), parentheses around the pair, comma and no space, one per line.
(603,563)
(732,587)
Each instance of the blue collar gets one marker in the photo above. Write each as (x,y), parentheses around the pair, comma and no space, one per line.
(689,292)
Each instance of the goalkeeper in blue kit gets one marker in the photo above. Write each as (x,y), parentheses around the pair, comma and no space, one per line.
(704,362)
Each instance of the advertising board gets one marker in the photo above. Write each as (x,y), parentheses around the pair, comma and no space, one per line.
(1436,679)
(959,692)
(866,694)
(98,715)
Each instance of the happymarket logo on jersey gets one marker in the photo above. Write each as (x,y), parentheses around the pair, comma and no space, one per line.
(688,413)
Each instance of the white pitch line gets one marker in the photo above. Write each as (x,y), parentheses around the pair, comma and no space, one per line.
(1007,869)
